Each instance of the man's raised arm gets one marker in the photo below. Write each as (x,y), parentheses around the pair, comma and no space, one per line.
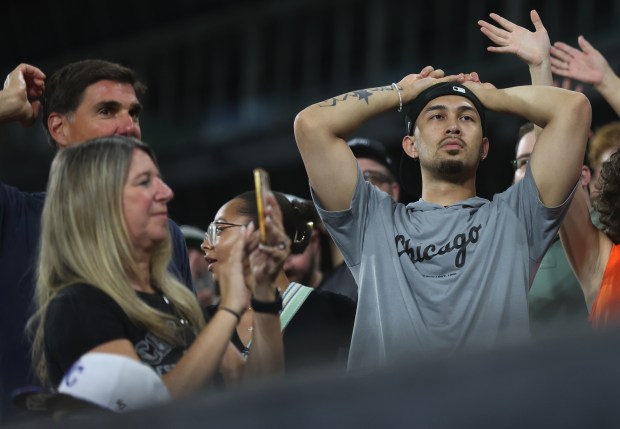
(565,117)
(587,65)
(23,84)
(321,131)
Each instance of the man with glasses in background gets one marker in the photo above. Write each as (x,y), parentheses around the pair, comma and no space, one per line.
(376,165)
(378,168)
(555,300)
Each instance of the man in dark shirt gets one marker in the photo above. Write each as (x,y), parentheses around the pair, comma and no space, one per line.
(79,102)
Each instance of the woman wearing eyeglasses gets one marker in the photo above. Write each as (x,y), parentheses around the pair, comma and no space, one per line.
(316,324)
(103,286)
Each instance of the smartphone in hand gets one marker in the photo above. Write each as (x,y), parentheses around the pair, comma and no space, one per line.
(262,187)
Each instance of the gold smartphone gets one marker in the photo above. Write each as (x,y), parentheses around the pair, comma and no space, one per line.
(262,187)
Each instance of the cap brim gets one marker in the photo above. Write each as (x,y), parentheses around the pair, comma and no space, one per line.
(370,153)
(193,243)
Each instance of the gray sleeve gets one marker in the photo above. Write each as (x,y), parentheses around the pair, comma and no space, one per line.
(541,223)
(346,227)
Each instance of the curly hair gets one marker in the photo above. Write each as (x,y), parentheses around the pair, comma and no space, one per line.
(608,203)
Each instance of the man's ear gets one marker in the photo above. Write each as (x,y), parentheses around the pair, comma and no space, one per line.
(57,125)
(586,176)
(410,147)
(485,148)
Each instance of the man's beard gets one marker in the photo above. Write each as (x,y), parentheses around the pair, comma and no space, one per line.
(450,168)
(303,276)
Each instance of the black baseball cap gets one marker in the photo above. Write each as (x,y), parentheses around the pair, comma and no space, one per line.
(372,149)
(416,106)
(193,236)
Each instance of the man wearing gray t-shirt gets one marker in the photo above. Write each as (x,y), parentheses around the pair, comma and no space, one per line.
(450,271)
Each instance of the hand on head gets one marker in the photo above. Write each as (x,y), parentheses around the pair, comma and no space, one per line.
(429,71)
(24,84)
(472,82)
(468,77)
(412,85)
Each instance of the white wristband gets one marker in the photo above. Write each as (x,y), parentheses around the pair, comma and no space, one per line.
(400,98)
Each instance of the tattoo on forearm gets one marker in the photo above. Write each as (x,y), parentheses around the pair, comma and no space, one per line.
(383,88)
(361,95)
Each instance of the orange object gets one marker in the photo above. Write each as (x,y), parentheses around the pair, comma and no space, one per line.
(606,307)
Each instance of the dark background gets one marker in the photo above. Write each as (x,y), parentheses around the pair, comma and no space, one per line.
(226,78)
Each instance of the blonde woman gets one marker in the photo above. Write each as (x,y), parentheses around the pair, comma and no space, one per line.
(103,285)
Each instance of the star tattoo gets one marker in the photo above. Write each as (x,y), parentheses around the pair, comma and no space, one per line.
(362,94)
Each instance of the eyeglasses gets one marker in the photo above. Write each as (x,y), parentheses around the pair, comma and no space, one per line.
(520,163)
(215,229)
(376,178)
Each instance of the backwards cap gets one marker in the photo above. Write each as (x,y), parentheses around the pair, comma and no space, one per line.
(439,90)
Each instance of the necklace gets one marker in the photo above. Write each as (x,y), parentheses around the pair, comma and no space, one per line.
(182,321)
(251,328)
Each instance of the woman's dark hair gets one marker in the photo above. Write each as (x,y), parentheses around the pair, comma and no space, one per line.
(608,202)
(298,218)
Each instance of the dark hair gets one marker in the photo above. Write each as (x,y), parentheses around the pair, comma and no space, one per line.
(298,217)
(608,202)
(528,127)
(524,129)
(64,90)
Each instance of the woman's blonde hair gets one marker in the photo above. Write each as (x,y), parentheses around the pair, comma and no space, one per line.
(85,239)
(605,138)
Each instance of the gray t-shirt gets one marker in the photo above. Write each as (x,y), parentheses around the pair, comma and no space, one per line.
(435,279)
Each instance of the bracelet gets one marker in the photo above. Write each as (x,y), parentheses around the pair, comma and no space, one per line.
(273,307)
(400,97)
(233,312)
